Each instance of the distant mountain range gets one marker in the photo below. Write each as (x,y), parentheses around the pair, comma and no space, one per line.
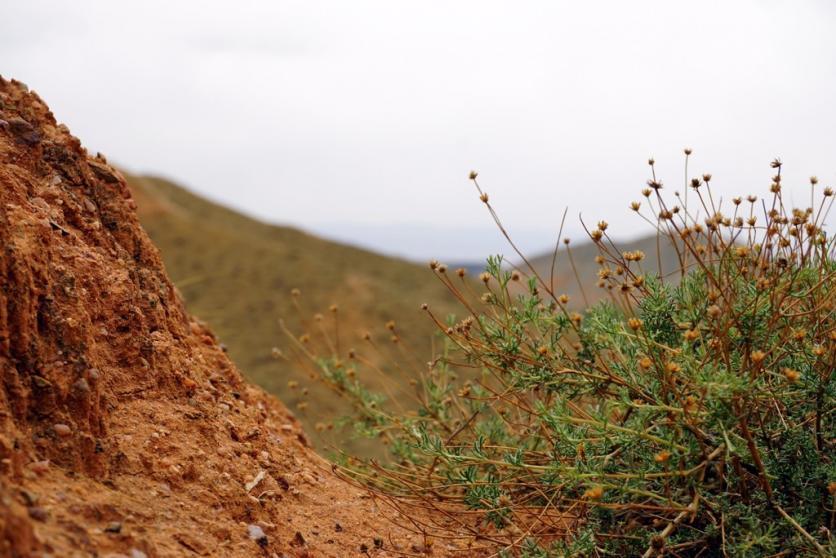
(422,242)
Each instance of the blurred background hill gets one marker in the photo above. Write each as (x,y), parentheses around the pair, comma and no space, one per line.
(238,274)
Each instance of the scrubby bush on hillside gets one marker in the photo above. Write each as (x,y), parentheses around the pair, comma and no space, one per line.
(692,414)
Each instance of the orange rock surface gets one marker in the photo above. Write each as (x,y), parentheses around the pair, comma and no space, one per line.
(124,428)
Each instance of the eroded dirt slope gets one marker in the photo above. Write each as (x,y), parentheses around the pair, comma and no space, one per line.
(124,428)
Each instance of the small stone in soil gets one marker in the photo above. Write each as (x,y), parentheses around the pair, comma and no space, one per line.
(298,540)
(113,527)
(38,513)
(81,388)
(24,131)
(39,467)
(62,430)
(30,498)
(256,533)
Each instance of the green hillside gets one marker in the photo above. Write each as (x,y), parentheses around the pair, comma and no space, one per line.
(237,274)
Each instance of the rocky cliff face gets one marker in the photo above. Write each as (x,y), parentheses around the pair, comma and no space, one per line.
(124,428)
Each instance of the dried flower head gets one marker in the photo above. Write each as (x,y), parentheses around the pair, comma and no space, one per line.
(594,493)
(662,457)
(791,375)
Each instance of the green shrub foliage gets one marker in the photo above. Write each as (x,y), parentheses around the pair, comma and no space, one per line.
(689,414)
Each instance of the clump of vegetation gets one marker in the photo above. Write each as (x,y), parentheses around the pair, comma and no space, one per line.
(686,417)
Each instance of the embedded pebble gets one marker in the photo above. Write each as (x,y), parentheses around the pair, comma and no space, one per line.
(256,533)
(40,203)
(38,513)
(298,540)
(39,467)
(24,131)
(81,387)
(62,430)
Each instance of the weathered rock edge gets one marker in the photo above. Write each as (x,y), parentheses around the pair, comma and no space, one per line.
(124,428)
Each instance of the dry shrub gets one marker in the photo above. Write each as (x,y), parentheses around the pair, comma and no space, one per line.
(689,415)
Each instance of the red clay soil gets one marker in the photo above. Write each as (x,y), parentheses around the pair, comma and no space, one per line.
(124,428)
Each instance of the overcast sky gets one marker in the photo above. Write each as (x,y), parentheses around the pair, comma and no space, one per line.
(361,119)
